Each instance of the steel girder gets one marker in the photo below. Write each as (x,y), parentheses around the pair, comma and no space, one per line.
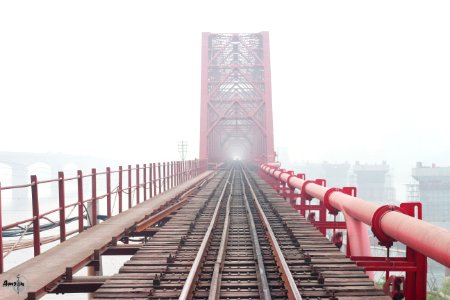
(236,104)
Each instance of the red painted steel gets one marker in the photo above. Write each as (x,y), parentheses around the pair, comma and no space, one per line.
(154,179)
(36,219)
(159,178)
(62,205)
(108,192)
(236,98)
(145,181)
(129,191)
(93,220)
(1,232)
(150,179)
(120,188)
(426,238)
(164,176)
(81,202)
(137,184)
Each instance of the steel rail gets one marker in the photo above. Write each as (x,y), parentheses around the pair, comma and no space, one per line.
(288,279)
(264,288)
(188,287)
(214,292)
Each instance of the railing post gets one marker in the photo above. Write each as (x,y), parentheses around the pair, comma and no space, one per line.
(137,184)
(1,232)
(164,176)
(182,171)
(171,173)
(177,173)
(150,180)
(159,178)
(62,207)
(36,220)
(108,192)
(145,182)
(129,186)
(154,179)
(189,170)
(120,188)
(80,201)
(94,197)
(168,174)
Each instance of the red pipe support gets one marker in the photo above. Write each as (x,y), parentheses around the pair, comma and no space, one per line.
(426,238)
(62,210)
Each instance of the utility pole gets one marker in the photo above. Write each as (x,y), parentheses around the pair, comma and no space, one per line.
(182,149)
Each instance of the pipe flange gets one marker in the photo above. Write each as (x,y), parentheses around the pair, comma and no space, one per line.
(383,238)
(282,171)
(326,201)
(289,183)
(303,193)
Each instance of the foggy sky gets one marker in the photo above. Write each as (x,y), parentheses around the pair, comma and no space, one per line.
(351,80)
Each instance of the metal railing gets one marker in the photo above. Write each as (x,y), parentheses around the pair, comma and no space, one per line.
(150,180)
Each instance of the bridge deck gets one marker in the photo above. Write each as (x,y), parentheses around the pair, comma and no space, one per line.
(160,268)
(52,264)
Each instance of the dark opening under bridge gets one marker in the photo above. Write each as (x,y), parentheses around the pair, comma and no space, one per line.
(216,228)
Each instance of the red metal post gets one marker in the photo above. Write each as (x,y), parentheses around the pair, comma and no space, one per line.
(177,171)
(1,232)
(169,174)
(145,182)
(164,176)
(137,184)
(62,210)
(159,178)
(172,176)
(120,188)
(154,179)
(80,201)
(36,220)
(150,179)
(108,192)
(94,197)
(183,163)
(189,169)
(129,187)
(183,172)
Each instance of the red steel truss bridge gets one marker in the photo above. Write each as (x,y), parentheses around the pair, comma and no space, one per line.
(218,227)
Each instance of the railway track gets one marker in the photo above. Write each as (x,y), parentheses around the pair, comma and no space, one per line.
(237,239)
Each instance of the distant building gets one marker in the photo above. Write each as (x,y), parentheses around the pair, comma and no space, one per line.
(374,183)
(433,191)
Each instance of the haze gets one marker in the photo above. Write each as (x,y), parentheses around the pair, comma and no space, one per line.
(351,80)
